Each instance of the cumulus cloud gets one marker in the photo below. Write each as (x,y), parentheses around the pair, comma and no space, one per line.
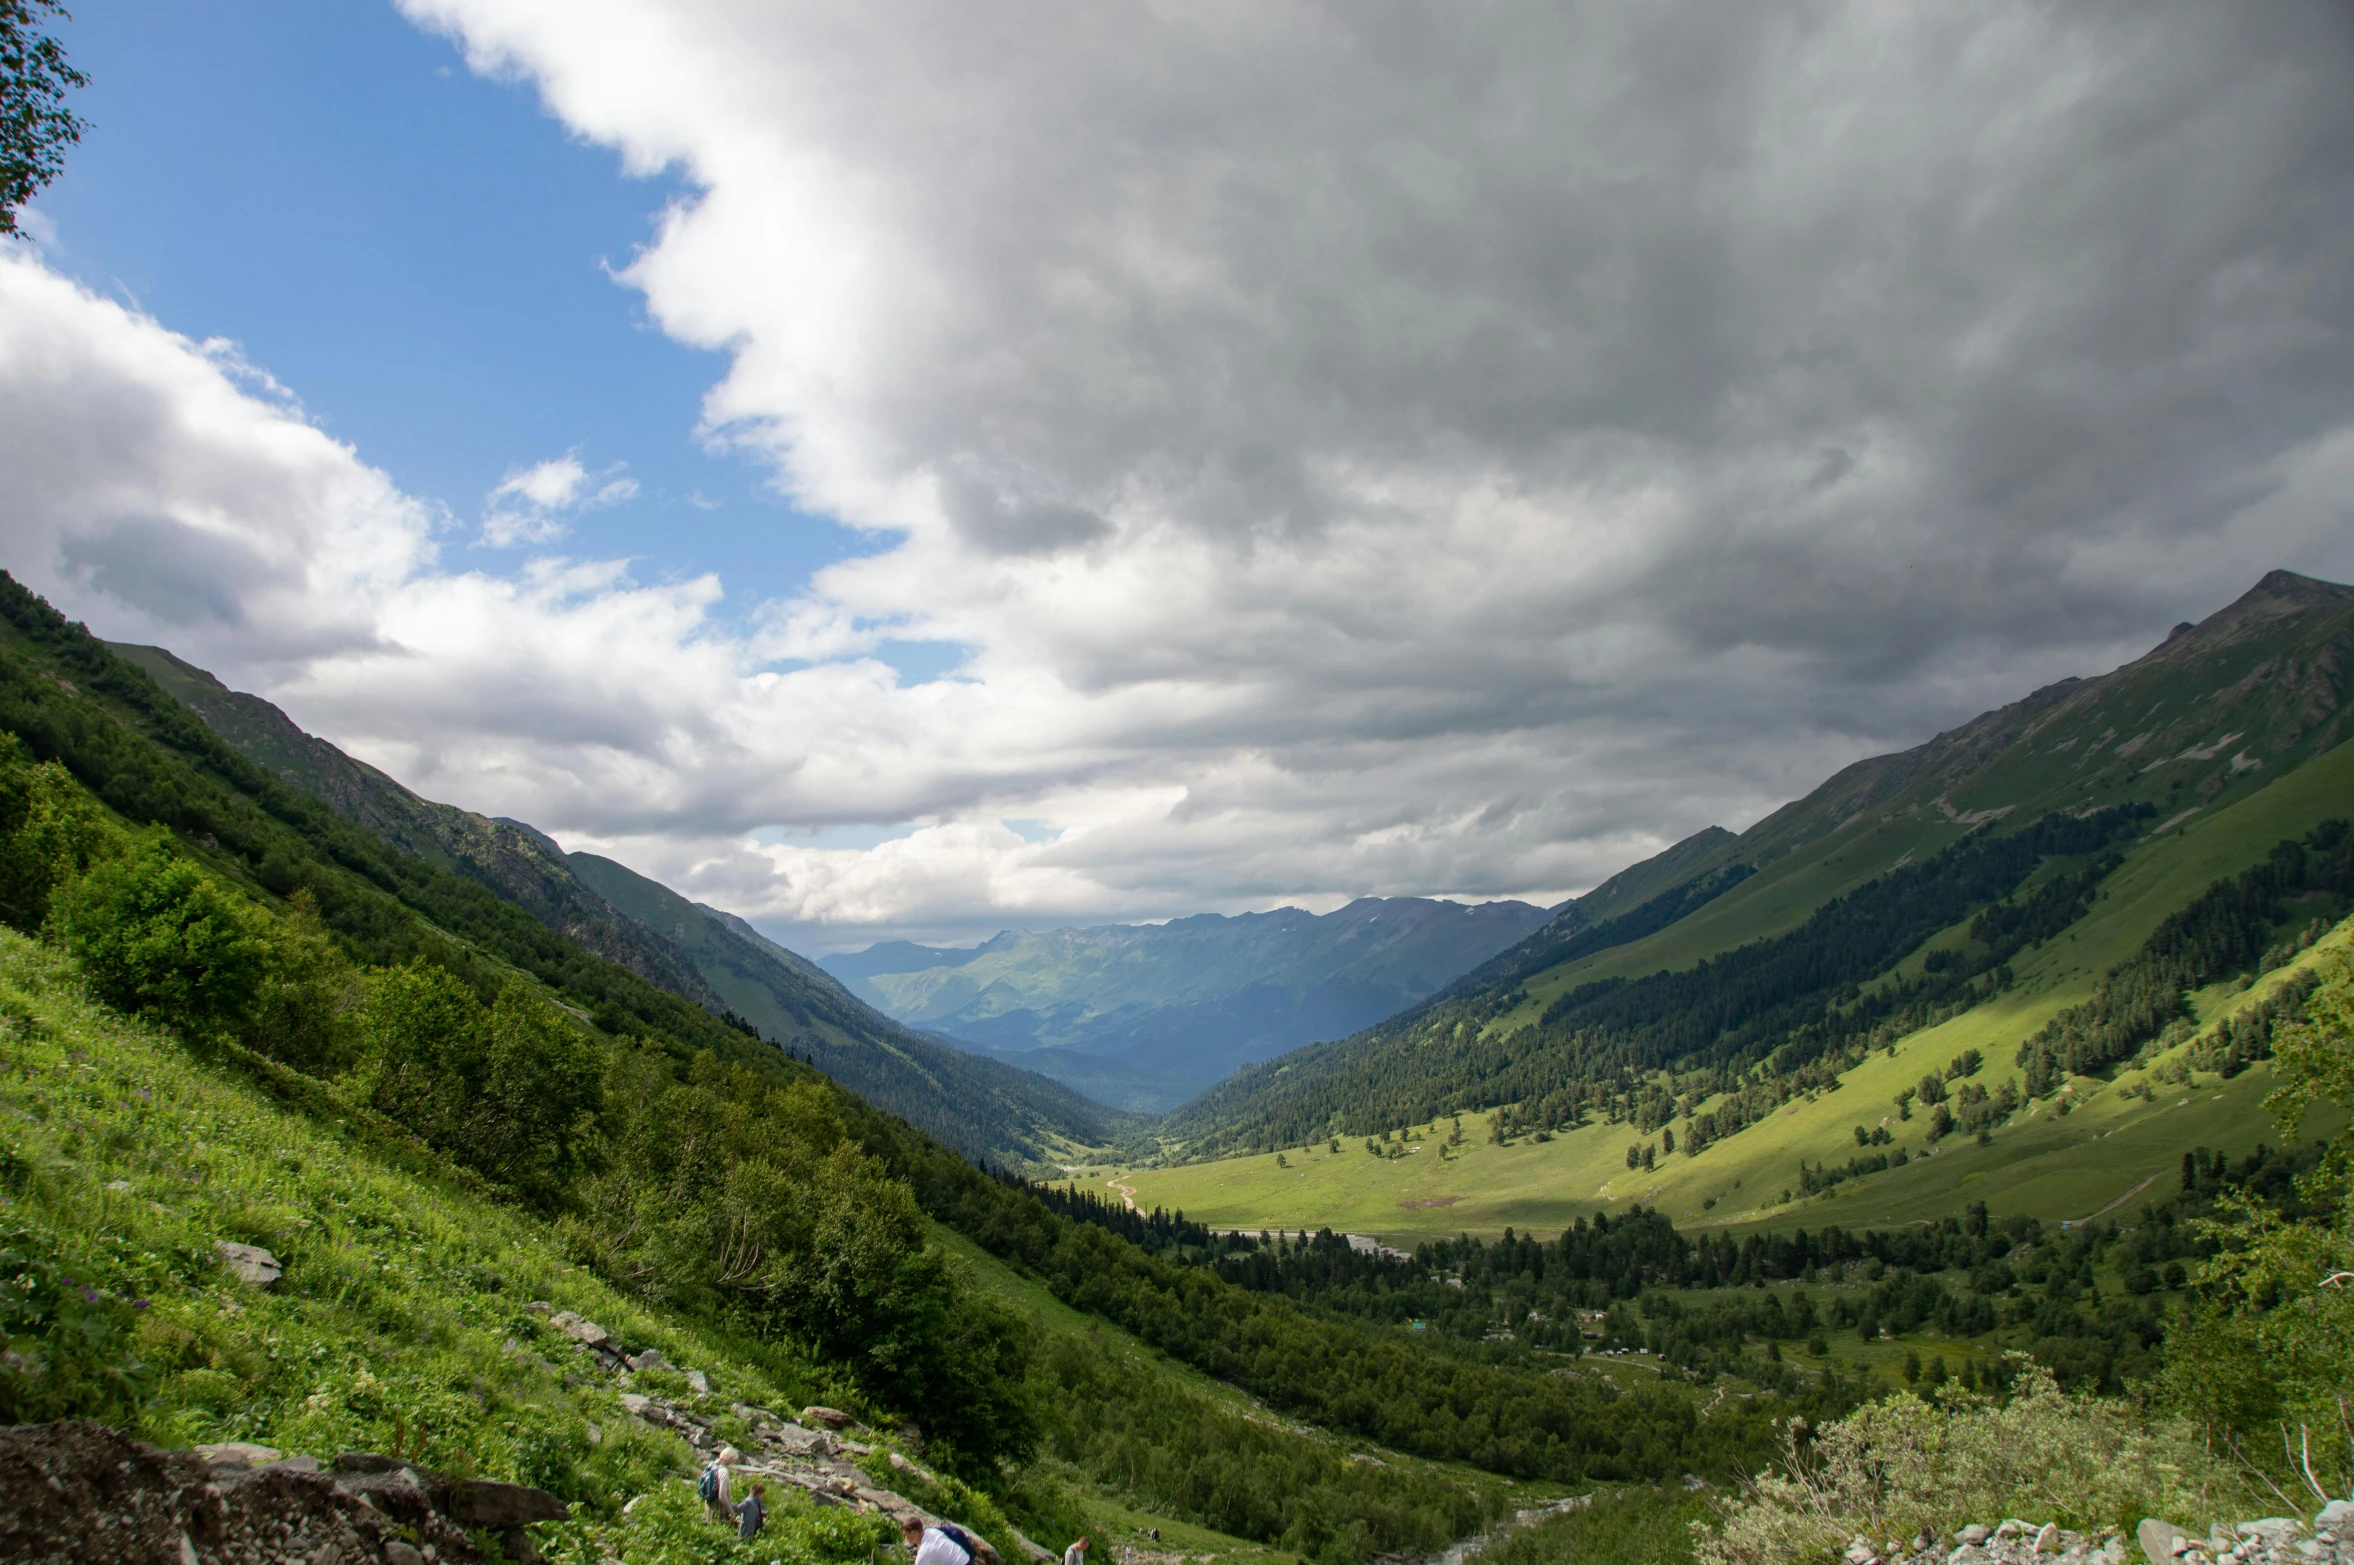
(529,504)
(1359,449)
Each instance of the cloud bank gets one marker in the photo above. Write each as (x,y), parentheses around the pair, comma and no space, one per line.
(1357,448)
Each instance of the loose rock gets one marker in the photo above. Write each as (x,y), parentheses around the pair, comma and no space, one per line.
(253,1265)
(585,1332)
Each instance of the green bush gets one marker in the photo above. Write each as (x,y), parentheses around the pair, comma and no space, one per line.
(50,833)
(1903,1466)
(158,936)
(511,1089)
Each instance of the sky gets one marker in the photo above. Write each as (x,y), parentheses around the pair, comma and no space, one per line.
(912,471)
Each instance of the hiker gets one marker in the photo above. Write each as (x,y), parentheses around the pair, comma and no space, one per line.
(751,1513)
(717,1485)
(946,1544)
(1076,1554)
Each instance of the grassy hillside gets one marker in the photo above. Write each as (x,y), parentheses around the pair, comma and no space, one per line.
(615,916)
(402,1320)
(2044,1164)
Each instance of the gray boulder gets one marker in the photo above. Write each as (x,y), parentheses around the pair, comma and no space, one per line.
(585,1332)
(2160,1540)
(253,1265)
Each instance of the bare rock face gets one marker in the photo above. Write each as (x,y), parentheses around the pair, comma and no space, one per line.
(253,1265)
(499,1506)
(828,1417)
(78,1490)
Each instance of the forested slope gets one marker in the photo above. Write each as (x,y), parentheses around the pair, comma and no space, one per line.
(689,952)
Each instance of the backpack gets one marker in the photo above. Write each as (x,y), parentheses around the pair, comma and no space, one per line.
(962,1539)
(707,1486)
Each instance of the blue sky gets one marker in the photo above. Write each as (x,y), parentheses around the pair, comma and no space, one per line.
(420,255)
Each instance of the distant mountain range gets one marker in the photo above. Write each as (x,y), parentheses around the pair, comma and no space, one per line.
(700,954)
(1732,955)
(1145,1016)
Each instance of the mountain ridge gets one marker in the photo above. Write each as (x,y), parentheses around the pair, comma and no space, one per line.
(1146,1015)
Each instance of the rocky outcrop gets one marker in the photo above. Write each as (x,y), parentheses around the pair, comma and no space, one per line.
(80,1491)
(2274,1540)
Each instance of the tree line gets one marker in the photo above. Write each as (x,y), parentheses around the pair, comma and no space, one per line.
(2231,928)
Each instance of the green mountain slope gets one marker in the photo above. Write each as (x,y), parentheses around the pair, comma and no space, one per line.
(969,1101)
(70,698)
(2215,717)
(1147,1015)
(518,863)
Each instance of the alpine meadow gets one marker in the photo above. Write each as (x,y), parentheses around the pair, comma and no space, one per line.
(803,784)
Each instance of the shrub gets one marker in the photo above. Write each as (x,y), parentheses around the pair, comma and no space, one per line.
(50,833)
(157,935)
(1903,1466)
(510,1089)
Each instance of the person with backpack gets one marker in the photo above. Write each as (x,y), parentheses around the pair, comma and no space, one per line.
(1076,1554)
(945,1544)
(715,1486)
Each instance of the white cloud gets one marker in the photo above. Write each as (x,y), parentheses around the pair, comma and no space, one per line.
(1361,450)
(529,504)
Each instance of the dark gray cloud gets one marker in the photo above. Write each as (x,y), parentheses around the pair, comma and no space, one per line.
(174,574)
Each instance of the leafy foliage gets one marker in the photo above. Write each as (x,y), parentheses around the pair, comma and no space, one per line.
(1905,1465)
(67,1347)
(2267,1365)
(158,936)
(35,125)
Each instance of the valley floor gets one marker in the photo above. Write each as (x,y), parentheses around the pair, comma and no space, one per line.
(2106,1152)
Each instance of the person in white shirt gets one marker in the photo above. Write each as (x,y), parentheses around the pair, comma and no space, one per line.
(934,1546)
(1076,1554)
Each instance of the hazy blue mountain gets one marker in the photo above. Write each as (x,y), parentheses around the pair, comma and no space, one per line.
(1144,1016)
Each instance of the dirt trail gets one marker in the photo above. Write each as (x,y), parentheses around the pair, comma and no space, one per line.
(2113,1205)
